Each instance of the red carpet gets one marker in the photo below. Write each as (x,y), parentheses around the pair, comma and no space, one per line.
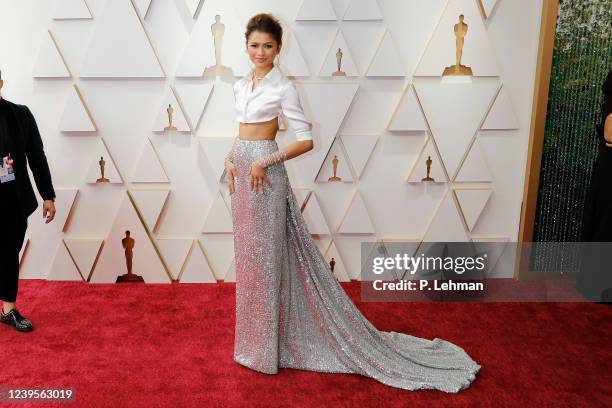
(171,345)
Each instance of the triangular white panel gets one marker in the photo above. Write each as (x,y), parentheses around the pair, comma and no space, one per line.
(322,242)
(321,10)
(145,261)
(330,64)
(192,6)
(76,116)
(356,220)
(219,251)
(292,61)
(493,247)
(314,218)
(230,275)
(343,169)
(219,118)
(196,269)
(408,115)
(472,202)
(24,247)
(148,167)
(328,105)
(143,7)
(71,10)
(193,97)
(446,224)
(501,116)
(84,253)
(219,218)
(475,168)
(178,117)
(174,251)
(386,61)
(50,62)
(120,47)
(110,169)
(363,10)
(339,267)
(199,53)
(389,248)
(441,50)
(359,149)
(454,113)
(215,149)
(488,6)
(419,170)
(150,204)
(63,268)
(45,238)
(301,194)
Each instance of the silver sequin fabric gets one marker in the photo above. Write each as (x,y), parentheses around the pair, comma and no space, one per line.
(291,312)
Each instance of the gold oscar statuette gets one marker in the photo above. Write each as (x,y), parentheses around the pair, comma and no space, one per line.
(339,55)
(428,164)
(332,264)
(335,164)
(170,111)
(102,179)
(217,30)
(128,244)
(461,29)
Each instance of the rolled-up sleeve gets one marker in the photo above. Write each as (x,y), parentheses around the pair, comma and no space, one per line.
(294,113)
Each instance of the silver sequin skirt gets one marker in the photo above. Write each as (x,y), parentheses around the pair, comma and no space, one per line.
(292,312)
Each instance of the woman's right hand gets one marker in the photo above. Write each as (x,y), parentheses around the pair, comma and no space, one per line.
(230,170)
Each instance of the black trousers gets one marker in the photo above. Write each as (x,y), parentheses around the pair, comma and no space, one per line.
(13,225)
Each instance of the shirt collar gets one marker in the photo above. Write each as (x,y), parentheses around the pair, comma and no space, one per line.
(274,75)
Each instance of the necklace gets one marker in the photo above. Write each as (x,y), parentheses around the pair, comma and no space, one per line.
(261,77)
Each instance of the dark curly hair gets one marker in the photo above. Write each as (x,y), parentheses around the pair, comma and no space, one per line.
(265,23)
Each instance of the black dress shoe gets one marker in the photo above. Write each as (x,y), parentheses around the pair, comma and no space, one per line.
(15,319)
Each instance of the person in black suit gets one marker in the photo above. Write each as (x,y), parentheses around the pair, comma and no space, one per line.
(19,140)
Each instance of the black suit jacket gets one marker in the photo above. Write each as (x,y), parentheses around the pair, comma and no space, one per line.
(26,143)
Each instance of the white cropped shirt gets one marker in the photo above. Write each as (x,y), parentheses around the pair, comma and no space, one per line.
(275,96)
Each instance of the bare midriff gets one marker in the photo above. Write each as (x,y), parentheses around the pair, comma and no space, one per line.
(259,130)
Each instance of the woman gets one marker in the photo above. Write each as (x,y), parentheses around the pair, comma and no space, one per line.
(290,310)
(594,279)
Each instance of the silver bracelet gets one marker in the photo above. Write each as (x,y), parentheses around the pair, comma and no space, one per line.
(276,157)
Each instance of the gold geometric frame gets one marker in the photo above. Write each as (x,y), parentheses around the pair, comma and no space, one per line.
(548,24)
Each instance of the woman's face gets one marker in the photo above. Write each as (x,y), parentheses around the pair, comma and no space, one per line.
(262,49)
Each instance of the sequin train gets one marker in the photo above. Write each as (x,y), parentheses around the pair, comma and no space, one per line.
(291,311)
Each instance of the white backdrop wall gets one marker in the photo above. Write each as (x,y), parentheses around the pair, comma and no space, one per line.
(130,59)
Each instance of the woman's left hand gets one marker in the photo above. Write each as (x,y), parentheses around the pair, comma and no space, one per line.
(258,178)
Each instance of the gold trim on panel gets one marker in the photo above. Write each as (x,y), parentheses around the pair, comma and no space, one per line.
(73,260)
(70,210)
(460,207)
(161,210)
(60,53)
(548,25)
(78,92)
(184,264)
(149,235)
(482,9)
(210,268)
(95,262)
(148,38)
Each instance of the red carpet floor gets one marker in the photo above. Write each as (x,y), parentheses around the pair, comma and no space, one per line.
(171,346)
